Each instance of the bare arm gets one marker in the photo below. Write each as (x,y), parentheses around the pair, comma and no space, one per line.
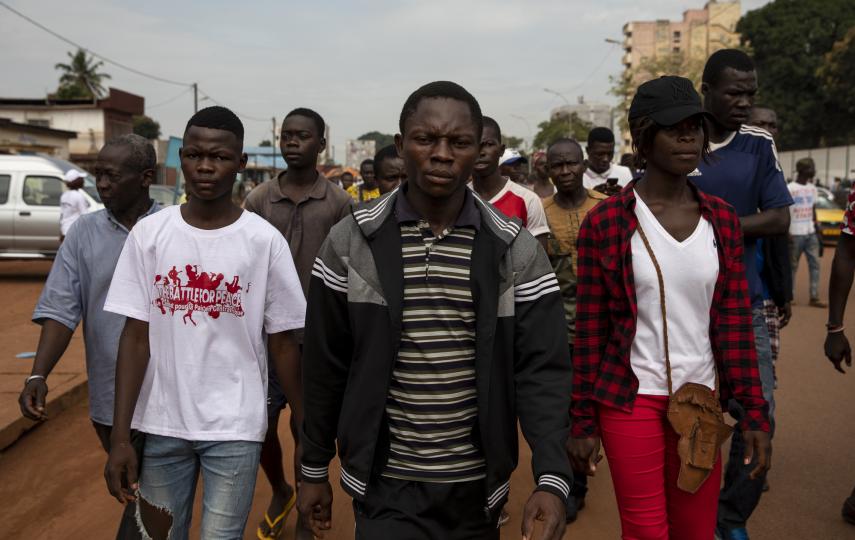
(131,366)
(53,341)
(285,356)
(766,223)
(842,270)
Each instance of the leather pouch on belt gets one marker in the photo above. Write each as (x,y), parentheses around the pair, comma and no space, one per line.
(696,416)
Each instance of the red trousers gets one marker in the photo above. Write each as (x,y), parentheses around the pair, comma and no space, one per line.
(642,451)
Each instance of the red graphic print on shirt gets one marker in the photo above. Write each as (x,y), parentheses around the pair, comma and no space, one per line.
(205,292)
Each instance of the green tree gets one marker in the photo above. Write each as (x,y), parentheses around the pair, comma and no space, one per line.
(265,142)
(561,126)
(789,40)
(146,126)
(835,75)
(80,78)
(380,139)
(513,142)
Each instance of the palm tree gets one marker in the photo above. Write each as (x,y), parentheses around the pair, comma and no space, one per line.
(81,78)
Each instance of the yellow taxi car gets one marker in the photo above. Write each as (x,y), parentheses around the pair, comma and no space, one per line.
(829,216)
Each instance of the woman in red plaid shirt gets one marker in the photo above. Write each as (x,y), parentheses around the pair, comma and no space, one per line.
(620,378)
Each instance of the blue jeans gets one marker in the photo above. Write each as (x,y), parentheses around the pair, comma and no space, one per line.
(741,495)
(171,471)
(809,245)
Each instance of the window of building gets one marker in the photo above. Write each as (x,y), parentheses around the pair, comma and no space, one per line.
(676,35)
(676,49)
(5,180)
(42,190)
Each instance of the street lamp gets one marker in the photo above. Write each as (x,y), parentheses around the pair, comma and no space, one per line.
(527,126)
(559,94)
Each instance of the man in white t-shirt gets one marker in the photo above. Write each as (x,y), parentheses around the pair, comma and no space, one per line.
(511,198)
(803,237)
(209,290)
(72,203)
(601,172)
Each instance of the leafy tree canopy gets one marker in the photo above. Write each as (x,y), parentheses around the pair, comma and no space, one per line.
(145,126)
(790,41)
(80,77)
(561,126)
(380,139)
(513,142)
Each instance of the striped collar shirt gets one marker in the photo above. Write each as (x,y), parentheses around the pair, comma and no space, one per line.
(432,401)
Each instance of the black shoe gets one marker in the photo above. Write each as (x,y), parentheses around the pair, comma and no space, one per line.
(765,486)
(848,511)
(574,506)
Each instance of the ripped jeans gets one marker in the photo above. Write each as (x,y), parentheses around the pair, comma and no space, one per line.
(168,486)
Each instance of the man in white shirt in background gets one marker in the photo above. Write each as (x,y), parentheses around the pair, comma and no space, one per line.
(72,203)
(803,237)
(601,152)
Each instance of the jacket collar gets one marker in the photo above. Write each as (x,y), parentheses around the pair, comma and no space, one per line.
(371,216)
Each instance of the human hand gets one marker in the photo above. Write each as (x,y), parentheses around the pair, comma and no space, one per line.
(314,502)
(837,350)
(32,399)
(122,462)
(785,313)
(584,454)
(759,444)
(548,508)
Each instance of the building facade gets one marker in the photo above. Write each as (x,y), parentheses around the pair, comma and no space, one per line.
(687,42)
(356,151)
(20,138)
(94,121)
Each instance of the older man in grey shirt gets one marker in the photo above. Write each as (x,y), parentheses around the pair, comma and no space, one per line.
(77,287)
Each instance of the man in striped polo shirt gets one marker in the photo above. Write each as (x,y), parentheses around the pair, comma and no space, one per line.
(434,323)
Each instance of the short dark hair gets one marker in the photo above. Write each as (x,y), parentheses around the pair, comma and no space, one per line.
(217,117)
(489,122)
(601,135)
(387,152)
(441,89)
(348,173)
(643,130)
(562,140)
(365,162)
(143,156)
(311,115)
(723,59)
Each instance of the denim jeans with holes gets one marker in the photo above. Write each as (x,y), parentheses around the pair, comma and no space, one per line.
(809,245)
(169,478)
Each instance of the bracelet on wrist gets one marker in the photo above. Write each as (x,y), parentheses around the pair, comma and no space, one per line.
(35,377)
(834,329)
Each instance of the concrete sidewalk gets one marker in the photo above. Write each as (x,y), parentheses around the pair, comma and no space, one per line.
(20,285)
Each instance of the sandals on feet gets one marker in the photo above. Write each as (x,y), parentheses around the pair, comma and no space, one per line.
(274,527)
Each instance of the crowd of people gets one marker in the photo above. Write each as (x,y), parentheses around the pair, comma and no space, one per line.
(413,319)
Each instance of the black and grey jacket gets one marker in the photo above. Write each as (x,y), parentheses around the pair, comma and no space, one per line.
(353,330)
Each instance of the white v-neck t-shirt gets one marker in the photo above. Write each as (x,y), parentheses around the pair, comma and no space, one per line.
(690,270)
(210,297)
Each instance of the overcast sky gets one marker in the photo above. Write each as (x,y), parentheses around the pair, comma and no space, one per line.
(353,62)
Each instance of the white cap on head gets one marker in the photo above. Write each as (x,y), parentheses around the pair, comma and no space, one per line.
(511,156)
(73,174)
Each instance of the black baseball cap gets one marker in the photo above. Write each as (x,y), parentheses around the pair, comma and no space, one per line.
(668,100)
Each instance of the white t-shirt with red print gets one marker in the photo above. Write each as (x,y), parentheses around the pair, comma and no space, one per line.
(515,200)
(210,297)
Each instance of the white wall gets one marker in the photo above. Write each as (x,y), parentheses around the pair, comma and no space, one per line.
(88,123)
(835,161)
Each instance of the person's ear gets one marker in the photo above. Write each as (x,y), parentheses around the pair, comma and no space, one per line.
(147,178)
(243,160)
(399,144)
(705,87)
(323,145)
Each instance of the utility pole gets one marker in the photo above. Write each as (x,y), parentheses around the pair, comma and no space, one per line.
(273,143)
(195,98)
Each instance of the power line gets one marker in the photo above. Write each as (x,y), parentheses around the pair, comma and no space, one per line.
(170,100)
(90,51)
(244,116)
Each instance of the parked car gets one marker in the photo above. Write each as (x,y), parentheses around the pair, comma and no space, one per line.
(165,195)
(829,216)
(30,189)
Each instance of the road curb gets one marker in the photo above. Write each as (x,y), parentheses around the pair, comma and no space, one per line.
(60,399)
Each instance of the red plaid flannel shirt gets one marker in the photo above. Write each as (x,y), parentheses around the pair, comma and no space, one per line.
(606,314)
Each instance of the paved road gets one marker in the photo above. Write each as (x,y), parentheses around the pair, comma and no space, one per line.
(51,480)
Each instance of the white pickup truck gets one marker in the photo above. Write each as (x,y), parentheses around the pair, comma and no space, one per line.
(30,188)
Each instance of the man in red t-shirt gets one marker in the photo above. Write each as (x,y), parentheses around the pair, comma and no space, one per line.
(510,198)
